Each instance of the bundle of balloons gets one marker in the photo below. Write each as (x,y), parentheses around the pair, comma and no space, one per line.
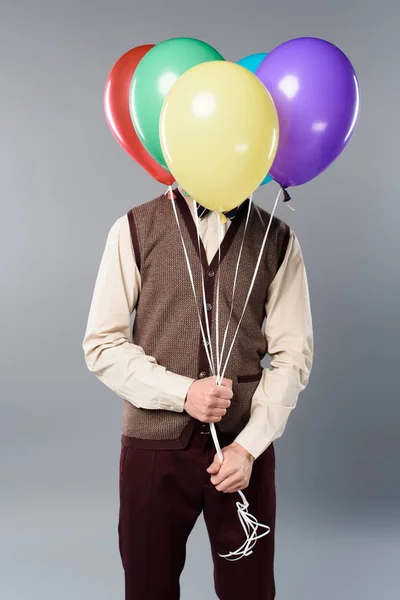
(222,129)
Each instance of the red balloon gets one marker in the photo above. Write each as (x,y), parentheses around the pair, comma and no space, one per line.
(116,108)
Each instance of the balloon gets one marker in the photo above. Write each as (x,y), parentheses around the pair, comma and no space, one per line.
(116,107)
(219,133)
(316,93)
(252,63)
(153,79)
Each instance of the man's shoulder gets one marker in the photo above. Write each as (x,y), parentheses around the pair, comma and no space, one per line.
(155,204)
(126,222)
(278,223)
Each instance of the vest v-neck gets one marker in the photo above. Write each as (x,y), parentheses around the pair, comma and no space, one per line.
(191,227)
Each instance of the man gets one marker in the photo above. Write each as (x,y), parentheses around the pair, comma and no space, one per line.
(169,471)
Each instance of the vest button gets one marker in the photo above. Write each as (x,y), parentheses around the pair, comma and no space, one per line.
(211,273)
(209,307)
(203,374)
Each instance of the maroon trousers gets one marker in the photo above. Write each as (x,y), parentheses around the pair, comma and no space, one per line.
(162,493)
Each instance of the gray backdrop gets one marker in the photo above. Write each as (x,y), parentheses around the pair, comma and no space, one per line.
(64,180)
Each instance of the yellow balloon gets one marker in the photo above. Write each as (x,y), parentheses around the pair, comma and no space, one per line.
(219,133)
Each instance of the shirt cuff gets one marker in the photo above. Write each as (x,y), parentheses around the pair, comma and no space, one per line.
(257,437)
(253,440)
(175,401)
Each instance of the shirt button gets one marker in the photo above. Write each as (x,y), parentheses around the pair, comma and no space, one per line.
(211,273)
(208,307)
(203,374)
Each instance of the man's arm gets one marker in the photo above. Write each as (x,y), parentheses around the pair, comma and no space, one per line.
(289,335)
(109,352)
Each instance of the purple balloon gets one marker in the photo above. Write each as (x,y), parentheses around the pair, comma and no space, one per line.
(316,93)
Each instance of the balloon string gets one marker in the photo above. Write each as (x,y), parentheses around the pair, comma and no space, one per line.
(171,195)
(206,342)
(249,523)
(217,301)
(252,281)
(235,280)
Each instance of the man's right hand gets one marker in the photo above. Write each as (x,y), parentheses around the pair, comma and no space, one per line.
(207,401)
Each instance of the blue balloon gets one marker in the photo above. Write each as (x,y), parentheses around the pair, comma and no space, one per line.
(252,63)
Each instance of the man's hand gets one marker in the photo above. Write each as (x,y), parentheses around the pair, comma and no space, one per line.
(207,401)
(235,471)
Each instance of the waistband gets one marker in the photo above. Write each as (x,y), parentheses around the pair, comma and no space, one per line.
(195,432)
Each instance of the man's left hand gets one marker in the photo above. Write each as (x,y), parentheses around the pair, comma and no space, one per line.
(234,472)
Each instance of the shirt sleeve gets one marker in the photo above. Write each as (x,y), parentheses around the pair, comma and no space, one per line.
(289,335)
(108,349)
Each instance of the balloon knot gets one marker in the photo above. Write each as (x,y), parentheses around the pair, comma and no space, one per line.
(286,195)
(170,193)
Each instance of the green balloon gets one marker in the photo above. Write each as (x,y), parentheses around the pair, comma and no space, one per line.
(154,77)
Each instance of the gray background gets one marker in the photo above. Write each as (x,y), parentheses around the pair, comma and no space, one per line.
(64,180)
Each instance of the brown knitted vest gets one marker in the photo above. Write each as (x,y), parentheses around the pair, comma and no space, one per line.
(166,323)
